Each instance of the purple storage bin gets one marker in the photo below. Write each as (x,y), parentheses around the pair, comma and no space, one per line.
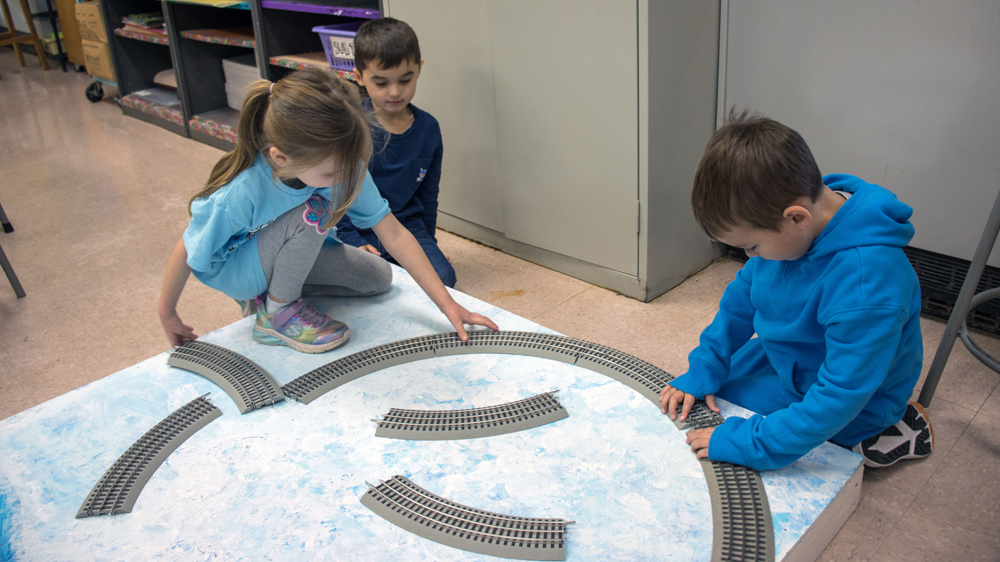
(338,42)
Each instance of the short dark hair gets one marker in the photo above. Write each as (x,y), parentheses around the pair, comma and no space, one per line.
(387,40)
(752,170)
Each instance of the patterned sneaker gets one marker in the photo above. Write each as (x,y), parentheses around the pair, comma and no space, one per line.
(910,438)
(300,327)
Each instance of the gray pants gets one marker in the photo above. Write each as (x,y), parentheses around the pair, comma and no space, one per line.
(297,263)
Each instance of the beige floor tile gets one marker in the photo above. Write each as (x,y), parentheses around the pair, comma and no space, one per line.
(964,491)
(673,356)
(701,292)
(949,422)
(608,318)
(926,537)
(502,280)
(965,381)
(882,505)
(992,405)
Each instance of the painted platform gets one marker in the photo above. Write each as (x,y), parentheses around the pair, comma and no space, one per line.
(284,482)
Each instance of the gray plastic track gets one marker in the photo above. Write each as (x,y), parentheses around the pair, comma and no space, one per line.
(745,504)
(437,425)
(406,505)
(117,491)
(247,383)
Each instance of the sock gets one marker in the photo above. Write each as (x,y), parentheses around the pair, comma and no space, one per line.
(272,306)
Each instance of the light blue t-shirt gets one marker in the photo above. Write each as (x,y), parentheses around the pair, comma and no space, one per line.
(220,239)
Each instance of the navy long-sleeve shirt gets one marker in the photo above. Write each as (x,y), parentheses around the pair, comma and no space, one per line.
(407,172)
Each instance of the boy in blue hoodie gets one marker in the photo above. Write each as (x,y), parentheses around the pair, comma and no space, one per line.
(406,162)
(830,295)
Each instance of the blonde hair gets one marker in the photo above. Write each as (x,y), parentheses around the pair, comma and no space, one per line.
(311,116)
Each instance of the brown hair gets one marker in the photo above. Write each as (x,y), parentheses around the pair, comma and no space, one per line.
(311,116)
(387,40)
(752,170)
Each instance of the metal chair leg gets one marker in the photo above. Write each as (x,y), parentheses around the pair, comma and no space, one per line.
(5,264)
(962,305)
(5,222)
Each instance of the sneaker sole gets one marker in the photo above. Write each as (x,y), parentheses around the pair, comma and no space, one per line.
(270,337)
(922,446)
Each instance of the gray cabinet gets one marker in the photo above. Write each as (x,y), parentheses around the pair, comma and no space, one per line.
(572,129)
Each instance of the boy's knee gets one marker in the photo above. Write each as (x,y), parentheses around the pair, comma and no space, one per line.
(447,274)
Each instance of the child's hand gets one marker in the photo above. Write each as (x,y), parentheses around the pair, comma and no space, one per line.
(698,439)
(371,249)
(458,316)
(177,332)
(670,398)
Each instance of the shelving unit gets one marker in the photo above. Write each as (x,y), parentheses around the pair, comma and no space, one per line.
(288,40)
(200,34)
(138,58)
(201,37)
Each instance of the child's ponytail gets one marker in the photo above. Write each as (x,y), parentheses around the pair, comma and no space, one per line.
(311,116)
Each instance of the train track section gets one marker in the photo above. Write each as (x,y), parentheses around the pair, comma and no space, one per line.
(410,507)
(119,487)
(247,383)
(437,425)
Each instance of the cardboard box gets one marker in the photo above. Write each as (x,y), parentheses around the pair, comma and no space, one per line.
(71,31)
(88,16)
(98,57)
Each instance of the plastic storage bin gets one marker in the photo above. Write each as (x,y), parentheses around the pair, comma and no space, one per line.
(338,42)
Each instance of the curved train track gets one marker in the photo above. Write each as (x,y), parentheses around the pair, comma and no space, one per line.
(117,491)
(438,425)
(741,517)
(413,508)
(247,383)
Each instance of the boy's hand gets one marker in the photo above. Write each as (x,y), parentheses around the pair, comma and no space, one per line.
(371,249)
(670,398)
(698,439)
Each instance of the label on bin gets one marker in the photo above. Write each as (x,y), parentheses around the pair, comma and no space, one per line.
(342,47)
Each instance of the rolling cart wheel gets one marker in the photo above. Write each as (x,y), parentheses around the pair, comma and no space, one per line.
(95,92)
(79,68)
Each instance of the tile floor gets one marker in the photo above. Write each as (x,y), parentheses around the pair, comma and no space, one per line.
(98,201)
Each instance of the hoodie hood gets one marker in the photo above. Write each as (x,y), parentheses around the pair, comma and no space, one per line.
(871,217)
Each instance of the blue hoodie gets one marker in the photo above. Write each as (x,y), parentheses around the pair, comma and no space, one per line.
(840,326)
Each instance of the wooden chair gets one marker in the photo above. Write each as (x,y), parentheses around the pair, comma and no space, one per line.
(12,38)
(4,263)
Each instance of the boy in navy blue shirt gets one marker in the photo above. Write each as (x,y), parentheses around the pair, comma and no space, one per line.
(406,163)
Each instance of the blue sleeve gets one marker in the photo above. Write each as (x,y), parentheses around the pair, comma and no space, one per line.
(860,348)
(428,192)
(369,207)
(348,233)
(213,225)
(709,363)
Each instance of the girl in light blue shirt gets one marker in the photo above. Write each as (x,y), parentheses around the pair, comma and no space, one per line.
(258,229)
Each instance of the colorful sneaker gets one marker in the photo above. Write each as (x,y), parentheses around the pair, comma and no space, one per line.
(910,438)
(300,327)
(249,307)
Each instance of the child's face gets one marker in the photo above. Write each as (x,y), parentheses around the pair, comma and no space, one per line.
(787,244)
(321,175)
(391,89)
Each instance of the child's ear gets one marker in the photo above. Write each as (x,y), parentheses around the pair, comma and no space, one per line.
(357,76)
(278,157)
(798,214)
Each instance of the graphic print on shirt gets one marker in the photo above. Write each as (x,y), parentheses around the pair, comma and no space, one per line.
(250,235)
(317,213)
(420,177)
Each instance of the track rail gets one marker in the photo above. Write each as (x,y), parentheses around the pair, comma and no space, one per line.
(119,488)
(418,511)
(247,383)
(436,425)
(743,527)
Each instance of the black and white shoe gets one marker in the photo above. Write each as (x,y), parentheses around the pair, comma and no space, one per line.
(910,438)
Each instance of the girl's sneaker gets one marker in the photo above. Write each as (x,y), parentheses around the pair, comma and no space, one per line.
(910,438)
(300,327)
